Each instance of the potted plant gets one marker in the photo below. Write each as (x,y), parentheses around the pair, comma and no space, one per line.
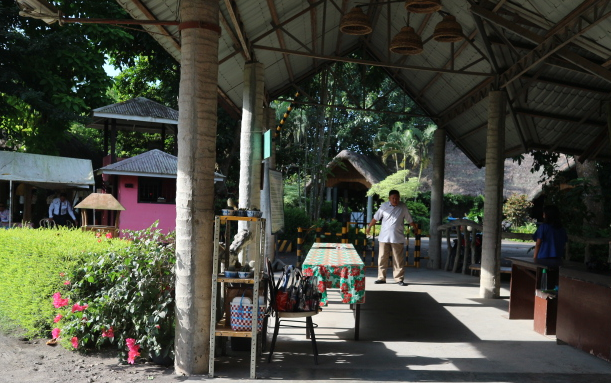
(242,212)
(254,212)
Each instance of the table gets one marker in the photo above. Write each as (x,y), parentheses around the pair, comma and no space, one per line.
(338,265)
(527,300)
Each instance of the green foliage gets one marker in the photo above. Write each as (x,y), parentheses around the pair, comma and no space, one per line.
(517,209)
(476,213)
(129,290)
(420,213)
(398,181)
(32,261)
(294,217)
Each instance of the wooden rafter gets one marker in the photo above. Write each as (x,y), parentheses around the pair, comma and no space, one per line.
(234,15)
(558,117)
(276,20)
(371,62)
(236,43)
(404,114)
(344,9)
(564,52)
(161,29)
(314,29)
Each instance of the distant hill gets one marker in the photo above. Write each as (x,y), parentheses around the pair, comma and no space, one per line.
(463,177)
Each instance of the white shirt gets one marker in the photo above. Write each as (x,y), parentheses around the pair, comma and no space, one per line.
(392,218)
(57,207)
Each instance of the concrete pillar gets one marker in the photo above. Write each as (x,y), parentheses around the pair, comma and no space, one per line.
(329,197)
(493,192)
(251,144)
(369,209)
(266,203)
(197,102)
(437,198)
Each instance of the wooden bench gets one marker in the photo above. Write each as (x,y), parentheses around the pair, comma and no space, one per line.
(477,267)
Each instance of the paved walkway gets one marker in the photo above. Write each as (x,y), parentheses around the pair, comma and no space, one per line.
(437,329)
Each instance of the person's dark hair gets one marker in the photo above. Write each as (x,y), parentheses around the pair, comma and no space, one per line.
(62,195)
(552,216)
(393,192)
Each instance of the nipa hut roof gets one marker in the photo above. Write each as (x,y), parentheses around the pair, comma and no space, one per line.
(370,168)
(100,201)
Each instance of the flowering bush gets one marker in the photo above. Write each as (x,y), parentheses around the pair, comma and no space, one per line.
(126,297)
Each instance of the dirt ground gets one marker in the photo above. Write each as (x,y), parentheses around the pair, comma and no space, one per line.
(23,361)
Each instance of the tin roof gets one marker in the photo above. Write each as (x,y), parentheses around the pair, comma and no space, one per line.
(153,163)
(138,114)
(551,57)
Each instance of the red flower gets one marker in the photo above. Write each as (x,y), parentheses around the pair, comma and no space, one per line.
(329,284)
(55,333)
(321,286)
(308,272)
(355,272)
(76,307)
(58,301)
(109,235)
(74,342)
(157,326)
(324,272)
(345,272)
(359,285)
(57,318)
(108,333)
(66,282)
(133,350)
(344,287)
(98,234)
(346,298)
(62,274)
(99,240)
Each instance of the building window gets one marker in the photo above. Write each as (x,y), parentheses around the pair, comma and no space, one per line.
(156,190)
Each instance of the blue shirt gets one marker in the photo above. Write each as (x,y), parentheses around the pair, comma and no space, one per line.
(553,241)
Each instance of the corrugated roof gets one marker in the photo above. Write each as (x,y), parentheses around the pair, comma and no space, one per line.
(153,163)
(139,107)
(558,103)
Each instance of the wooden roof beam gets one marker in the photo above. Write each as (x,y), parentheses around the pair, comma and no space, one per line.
(557,117)
(161,29)
(564,52)
(234,14)
(276,20)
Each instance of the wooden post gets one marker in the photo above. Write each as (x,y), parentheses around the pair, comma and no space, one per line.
(467,249)
(449,245)
(458,246)
(491,246)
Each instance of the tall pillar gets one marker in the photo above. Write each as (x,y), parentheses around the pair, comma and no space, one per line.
(493,192)
(197,103)
(266,202)
(329,197)
(251,142)
(369,209)
(439,159)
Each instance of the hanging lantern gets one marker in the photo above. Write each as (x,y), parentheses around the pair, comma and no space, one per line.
(423,6)
(355,23)
(448,30)
(406,42)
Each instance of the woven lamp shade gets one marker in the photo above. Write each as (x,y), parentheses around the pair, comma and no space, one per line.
(406,42)
(448,30)
(355,23)
(423,6)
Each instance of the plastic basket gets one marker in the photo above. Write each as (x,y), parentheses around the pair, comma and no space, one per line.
(241,315)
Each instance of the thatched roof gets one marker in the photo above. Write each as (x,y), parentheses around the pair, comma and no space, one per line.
(356,168)
(100,201)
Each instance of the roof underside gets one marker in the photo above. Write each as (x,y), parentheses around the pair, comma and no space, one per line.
(551,56)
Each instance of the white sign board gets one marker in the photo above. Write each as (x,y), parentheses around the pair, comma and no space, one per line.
(276,188)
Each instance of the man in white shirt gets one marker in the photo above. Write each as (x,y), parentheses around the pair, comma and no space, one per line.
(391,239)
(60,210)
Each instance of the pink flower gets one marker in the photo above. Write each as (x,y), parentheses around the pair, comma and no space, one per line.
(98,235)
(66,282)
(108,333)
(158,326)
(55,333)
(58,318)
(133,350)
(74,342)
(109,235)
(76,307)
(58,301)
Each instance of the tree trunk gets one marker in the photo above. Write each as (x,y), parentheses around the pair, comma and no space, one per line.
(195,185)
(592,198)
(490,283)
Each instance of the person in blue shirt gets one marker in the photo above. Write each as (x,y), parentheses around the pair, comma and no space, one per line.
(550,236)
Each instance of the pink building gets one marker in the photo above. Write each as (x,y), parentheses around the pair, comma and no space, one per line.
(146,187)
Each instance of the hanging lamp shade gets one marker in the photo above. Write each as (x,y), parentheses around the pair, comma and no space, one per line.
(355,23)
(406,42)
(448,30)
(423,6)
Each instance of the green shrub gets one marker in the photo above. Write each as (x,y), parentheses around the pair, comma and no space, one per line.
(34,263)
(517,209)
(294,217)
(128,291)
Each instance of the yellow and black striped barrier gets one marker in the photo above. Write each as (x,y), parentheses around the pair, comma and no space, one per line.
(284,246)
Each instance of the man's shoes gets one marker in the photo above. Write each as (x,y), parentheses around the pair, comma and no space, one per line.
(401,283)
(379,281)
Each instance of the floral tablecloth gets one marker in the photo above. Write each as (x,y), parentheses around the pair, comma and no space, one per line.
(337,265)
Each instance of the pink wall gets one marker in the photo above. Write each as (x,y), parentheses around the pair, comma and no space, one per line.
(138,216)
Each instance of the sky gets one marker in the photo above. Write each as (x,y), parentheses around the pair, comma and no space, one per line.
(110,70)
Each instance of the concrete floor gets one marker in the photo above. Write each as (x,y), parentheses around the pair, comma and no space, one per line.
(434,330)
